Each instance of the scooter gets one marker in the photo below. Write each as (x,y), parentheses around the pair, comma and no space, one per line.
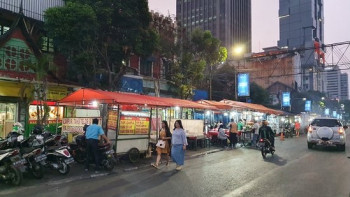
(58,157)
(265,147)
(78,150)
(11,166)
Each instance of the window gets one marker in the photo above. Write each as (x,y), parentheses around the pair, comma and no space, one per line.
(3,29)
(47,44)
(326,123)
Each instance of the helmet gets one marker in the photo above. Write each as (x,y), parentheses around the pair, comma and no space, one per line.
(37,130)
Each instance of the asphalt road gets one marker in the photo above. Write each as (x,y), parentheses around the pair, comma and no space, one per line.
(292,171)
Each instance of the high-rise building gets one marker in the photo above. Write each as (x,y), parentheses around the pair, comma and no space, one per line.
(336,84)
(302,27)
(228,20)
(344,87)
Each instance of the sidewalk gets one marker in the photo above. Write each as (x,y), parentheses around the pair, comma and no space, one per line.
(53,178)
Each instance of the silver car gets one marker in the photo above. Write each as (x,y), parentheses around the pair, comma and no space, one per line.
(326,132)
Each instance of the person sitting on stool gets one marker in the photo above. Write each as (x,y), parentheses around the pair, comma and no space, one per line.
(222,136)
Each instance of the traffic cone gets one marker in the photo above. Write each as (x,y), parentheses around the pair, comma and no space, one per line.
(282,136)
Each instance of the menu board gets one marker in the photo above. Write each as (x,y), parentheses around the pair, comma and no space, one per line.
(75,125)
(112,120)
(133,125)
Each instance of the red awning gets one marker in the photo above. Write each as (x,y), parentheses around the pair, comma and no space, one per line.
(219,105)
(86,96)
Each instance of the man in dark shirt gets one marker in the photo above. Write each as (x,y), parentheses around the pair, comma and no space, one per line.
(265,132)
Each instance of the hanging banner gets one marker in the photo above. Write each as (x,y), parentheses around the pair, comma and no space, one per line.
(286,99)
(243,84)
(307,106)
(75,125)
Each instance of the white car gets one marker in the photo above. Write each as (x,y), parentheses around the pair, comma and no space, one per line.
(326,132)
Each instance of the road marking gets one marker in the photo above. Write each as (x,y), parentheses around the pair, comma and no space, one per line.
(253,183)
(207,152)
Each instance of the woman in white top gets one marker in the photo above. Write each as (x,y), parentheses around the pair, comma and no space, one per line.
(179,143)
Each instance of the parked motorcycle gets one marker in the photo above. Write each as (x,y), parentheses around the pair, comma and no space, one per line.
(58,157)
(78,151)
(265,147)
(11,166)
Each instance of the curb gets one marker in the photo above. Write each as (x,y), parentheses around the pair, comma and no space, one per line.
(77,178)
(207,152)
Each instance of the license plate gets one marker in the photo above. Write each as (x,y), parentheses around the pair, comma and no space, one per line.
(261,144)
(109,152)
(40,158)
(17,161)
(68,161)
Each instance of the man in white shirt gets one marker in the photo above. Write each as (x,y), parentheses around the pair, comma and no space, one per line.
(256,127)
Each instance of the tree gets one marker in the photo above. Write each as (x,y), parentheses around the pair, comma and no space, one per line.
(98,36)
(194,56)
(223,82)
(259,95)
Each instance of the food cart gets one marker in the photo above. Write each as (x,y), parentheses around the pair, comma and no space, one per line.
(125,117)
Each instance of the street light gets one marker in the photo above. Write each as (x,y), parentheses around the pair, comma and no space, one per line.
(238,50)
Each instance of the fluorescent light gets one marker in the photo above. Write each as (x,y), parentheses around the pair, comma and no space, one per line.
(284,16)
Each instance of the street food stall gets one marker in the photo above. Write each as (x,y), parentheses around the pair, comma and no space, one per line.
(125,118)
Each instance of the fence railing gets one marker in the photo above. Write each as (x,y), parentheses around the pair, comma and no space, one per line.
(31,8)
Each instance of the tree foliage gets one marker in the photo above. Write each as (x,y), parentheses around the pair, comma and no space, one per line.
(194,57)
(259,95)
(98,37)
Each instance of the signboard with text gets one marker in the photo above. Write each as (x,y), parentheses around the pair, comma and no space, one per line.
(134,125)
(243,84)
(112,120)
(307,105)
(286,99)
(75,125)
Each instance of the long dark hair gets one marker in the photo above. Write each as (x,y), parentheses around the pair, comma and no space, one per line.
(167,130)
(180,123)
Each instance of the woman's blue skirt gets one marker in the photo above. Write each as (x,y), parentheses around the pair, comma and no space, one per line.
(178,154)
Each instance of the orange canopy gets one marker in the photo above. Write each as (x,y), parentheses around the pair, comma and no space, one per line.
(86,96)
(219,105)
(254,107)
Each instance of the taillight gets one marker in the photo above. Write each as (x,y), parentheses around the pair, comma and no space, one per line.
(341,131)
(15,152)
(261,140)
(66,153)
(38,151)
(310,129)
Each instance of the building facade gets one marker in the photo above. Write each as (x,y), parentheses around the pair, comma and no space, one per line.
(344,86)
(275,70)
(20,50)
(228,20)
(336,84)
(302,28)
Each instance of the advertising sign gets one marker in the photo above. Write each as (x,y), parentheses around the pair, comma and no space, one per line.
(334,114)
(243,84)
(326,112)
(286,99)
(307,106)
(133,125)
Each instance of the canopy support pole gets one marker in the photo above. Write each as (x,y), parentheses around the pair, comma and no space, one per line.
(117,129)
(157,124)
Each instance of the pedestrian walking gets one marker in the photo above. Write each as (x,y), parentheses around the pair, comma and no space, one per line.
(92,134)
(256,127)
(233,133)
(165,136)
(222,136)
(179,143)
(297,128)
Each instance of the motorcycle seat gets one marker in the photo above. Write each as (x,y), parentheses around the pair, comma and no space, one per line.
(5,151)
(27,150)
